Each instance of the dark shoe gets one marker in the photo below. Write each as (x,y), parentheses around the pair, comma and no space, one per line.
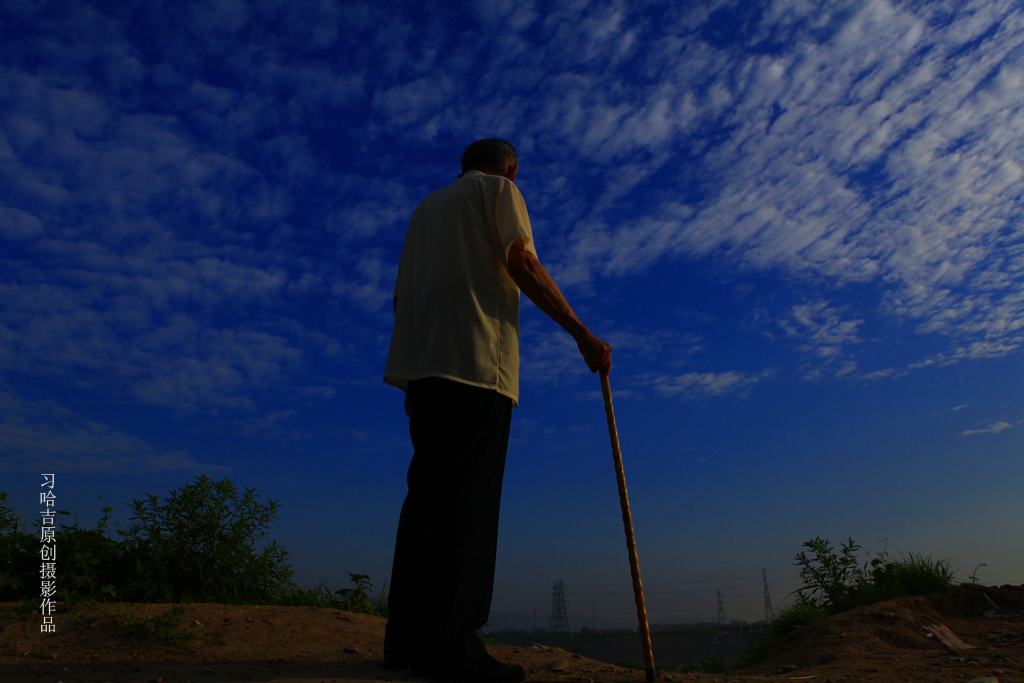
(432,672)
(395,663)
(487,669)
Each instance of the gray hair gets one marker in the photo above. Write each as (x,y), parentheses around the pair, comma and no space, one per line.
(490,154)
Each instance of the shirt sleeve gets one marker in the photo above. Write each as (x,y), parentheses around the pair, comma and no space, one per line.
(511,219)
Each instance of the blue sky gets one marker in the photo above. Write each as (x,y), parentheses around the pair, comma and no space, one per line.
(797,223)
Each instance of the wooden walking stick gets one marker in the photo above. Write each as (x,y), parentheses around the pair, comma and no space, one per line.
(627,521)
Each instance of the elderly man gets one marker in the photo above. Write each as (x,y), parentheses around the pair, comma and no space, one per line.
(455,352)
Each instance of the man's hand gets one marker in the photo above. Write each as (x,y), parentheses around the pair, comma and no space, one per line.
(536,283)
(597,353)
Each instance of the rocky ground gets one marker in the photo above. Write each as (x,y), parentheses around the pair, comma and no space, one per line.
(974,633)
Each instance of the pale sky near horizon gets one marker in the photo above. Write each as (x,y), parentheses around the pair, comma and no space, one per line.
(797,223)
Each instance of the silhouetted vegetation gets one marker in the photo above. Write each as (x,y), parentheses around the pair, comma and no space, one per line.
(199,544)
(834,582)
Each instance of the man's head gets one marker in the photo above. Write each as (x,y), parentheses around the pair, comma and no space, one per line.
(493,156)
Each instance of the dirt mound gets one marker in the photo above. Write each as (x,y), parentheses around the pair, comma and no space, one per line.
(957,636)
(950,638)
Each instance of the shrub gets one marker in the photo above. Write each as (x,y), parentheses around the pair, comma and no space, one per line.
(163,627)
(830,580)
(90,561)
(17,552)
(834,583)
(199,546)
(758,652)
(358,598)
(794,616)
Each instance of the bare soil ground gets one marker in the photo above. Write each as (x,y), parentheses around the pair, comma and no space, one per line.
(970,633)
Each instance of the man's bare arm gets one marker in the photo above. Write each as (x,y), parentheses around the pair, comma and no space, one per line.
(537,284)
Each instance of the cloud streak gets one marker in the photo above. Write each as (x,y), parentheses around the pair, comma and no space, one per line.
(993,428)
(694,385)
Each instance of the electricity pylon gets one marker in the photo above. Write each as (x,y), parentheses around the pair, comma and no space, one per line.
(767,598)
(559,616)
(721,610)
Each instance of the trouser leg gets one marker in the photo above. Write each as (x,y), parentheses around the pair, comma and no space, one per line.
(443,574)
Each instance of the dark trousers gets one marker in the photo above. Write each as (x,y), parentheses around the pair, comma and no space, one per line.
(443,573)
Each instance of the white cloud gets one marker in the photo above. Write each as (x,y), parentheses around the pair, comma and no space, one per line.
(19,226)
(973,351)
(819,328)
(6,151)
(414,101)
(214,16)
(887,152)
(212,368)
(145,327)
(993,428)
(875,143)
(155,258)
(550,355)
(37,434)
(705,384)
(499,16)
(368,207)
(369,282)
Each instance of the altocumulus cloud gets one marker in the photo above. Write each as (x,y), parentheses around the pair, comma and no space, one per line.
(202,208)
(149,242)
(179,204)
(874,143)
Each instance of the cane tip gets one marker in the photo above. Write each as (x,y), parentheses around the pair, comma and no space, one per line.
(650,676)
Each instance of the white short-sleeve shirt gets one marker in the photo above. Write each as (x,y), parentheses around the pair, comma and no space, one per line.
(457,313)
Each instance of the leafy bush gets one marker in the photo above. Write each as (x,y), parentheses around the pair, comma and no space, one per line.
(17,552)
(197,545)
(357,598)
(830,581)
(163,627)
(90,563)
(835,582)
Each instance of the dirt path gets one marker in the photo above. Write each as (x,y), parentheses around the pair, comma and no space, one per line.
(894,642)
